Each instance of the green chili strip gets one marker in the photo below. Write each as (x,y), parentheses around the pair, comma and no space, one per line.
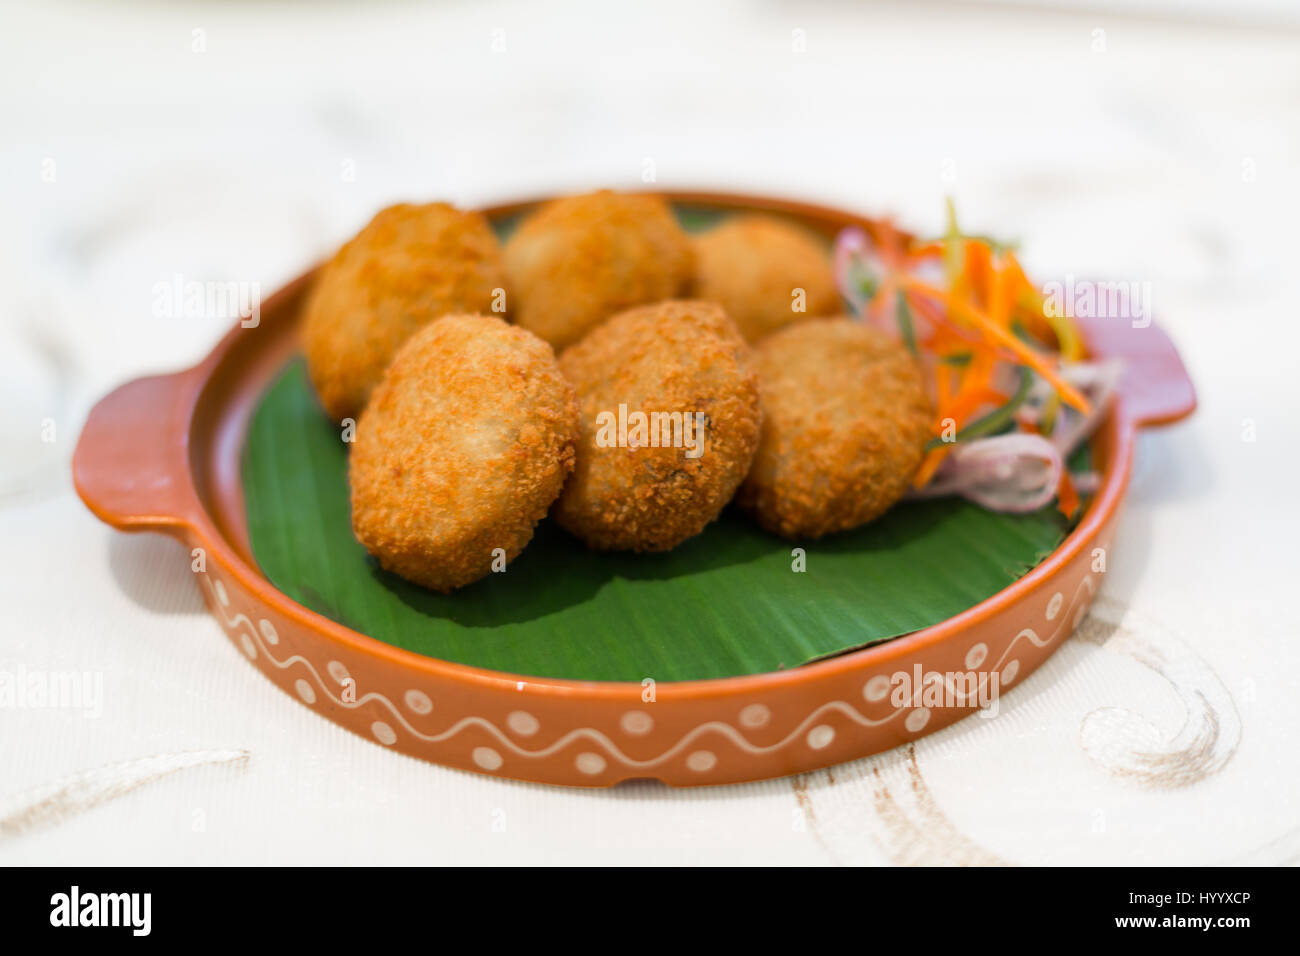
(905,326)
(996,420)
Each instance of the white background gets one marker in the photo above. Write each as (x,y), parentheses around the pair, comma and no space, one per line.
(1131,141)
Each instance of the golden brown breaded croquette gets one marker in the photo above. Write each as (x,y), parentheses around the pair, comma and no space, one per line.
(410,265)
(846,420)
(579,259)
(467,440)
(752,264)
(682,358)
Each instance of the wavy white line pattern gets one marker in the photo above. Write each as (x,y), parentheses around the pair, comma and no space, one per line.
(1078,606)
(256,640)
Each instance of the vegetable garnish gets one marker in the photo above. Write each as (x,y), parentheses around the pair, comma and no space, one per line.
(1013,394)
(998,420)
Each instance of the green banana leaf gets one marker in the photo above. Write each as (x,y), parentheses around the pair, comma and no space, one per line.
(725,603)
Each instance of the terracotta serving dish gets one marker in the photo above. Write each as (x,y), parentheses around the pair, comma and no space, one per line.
(163,454)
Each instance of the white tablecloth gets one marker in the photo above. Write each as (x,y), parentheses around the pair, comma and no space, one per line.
(217,142)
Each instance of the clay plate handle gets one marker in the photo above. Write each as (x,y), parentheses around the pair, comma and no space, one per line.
(1155,388)
(131,464)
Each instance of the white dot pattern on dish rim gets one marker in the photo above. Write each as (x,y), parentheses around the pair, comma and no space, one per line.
(337,671)
(821,736)
(523,723)
(702,761)
(633,722)
(590,763)
(418,701)
(1054,605)
(876,689)
(637,722)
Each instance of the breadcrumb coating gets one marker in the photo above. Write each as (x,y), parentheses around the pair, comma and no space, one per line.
(846,420)
(466,442)
(752,264)
(409,266)
(580,259)
(680,356)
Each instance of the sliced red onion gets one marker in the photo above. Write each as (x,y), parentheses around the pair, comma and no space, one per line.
(1099,382)
(1086,482)
(1019,472)
(856,256)
(851,247)
(1016,473)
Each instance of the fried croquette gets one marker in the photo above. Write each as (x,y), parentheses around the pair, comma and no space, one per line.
(754,265)
(409,266)
(669,422)
(465,443)
(846,420)
(579,259)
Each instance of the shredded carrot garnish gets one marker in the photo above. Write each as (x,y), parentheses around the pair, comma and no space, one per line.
(933,459)
(1067,339)
(966,404)
(935,314)
(999,294)
(1067,497)
(943,387)
(976,331)
(926,250)
(979,272)
(1029,356)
